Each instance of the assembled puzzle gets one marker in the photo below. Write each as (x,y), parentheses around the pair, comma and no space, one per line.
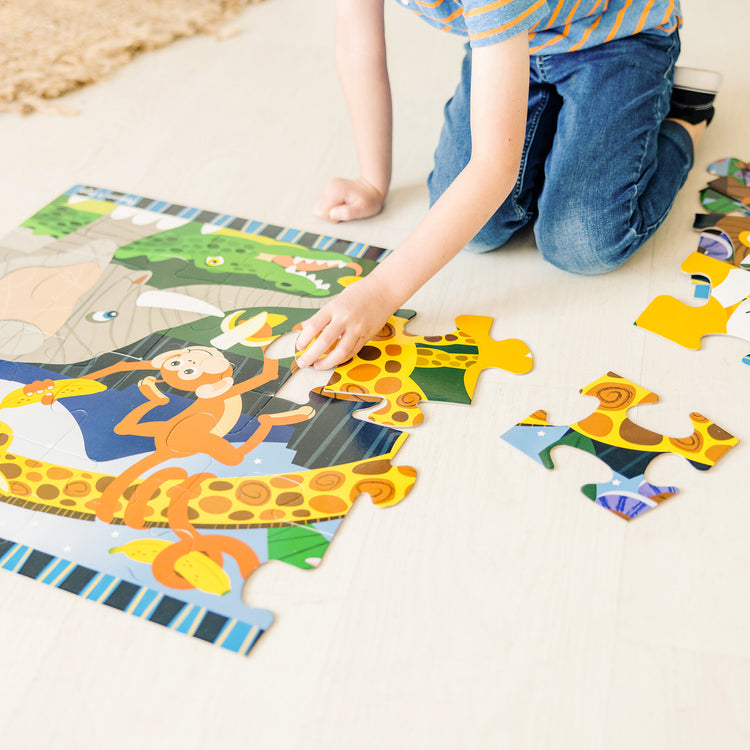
(627,448)
(146,461)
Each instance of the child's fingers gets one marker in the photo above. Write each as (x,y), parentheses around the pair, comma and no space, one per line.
(348,345)
(325,341)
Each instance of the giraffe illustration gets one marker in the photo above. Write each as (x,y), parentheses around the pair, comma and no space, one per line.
(627,448)
(302,497)
(404,369)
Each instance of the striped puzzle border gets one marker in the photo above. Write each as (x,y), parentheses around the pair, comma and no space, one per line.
(227,221)
(139,601)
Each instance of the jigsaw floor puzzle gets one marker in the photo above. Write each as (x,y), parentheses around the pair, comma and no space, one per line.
(146,461)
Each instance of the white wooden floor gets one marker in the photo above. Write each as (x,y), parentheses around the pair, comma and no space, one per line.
(496,607)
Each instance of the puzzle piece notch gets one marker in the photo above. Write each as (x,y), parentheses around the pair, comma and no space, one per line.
(624,446)
(725,310)
(403,369)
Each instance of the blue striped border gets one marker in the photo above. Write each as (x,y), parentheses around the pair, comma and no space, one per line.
(226,221)
(144,603)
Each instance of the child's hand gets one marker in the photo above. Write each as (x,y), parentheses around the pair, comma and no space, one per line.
(344,325)
(344,200)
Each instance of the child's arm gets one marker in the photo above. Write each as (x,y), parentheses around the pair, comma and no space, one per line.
(361,65)
(499,93)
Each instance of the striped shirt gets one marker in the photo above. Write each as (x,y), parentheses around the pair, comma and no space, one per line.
(554,25)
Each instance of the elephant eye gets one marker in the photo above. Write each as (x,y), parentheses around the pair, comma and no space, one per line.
(101,316)
(214,260)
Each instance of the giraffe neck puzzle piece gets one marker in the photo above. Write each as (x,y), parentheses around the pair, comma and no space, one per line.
(146,461)
(719,270)
(609,434)
(403,369)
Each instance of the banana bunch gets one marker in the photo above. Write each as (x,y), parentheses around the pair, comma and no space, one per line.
(197,568)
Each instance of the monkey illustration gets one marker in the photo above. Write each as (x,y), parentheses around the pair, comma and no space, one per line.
(200,428)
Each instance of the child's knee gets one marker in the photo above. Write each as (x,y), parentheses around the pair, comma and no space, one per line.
(587,250)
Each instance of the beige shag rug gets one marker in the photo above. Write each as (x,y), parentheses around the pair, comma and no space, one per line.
(51,47)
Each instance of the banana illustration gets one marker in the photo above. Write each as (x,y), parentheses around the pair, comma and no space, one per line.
(203,573)
(142,550)
(59,389)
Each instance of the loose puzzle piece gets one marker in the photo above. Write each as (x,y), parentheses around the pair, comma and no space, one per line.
(731,191)
(724,238)
(145,461)
(719,272)
(403,369)
(624,446)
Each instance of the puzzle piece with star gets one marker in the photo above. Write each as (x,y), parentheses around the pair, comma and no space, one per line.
(627,448)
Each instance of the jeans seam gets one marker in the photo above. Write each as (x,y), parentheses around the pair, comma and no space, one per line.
(647,231)
(531,127)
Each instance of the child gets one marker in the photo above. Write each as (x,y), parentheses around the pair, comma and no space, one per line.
(562,118)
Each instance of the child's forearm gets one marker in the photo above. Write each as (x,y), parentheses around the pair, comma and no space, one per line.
(363,72)
(447,227)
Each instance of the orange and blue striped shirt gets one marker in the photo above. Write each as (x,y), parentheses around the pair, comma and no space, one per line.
(554,26)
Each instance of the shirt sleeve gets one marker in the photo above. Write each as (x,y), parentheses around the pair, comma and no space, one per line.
(491,21)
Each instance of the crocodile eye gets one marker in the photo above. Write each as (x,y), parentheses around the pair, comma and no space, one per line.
(214,260)
(101,316)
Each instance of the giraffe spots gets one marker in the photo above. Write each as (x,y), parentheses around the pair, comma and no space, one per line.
(272,514)
(334,378)
(380,490)
(34,476)
(715,452)
(393,350)
(716,432)
(290,499)
(632,433)
(387,385)
(328,504)
(77,488)
(386,332)
(47,492)
(10,471)
(327,481)
(597,424)
(614,396)
(68,503)
(32,463)
(392,365)
(220,486)
(21,489)
(241,515)
(377,466)
(215,504)
(369,353)
(301,513)
(103,482)
(408,400)
(400,417)
(59,472)
(253,492)
(433,339)
(691,444)
(363,373)
(4,438)
(286,481)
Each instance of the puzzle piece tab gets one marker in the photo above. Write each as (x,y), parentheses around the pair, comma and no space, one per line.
(624,446)
(403,369)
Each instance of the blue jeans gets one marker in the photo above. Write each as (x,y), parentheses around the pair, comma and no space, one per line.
(600,166)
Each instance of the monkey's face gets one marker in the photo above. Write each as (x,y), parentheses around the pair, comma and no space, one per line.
(188,369)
